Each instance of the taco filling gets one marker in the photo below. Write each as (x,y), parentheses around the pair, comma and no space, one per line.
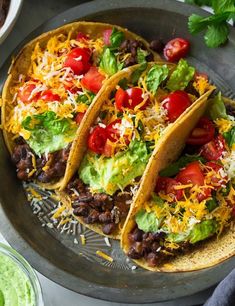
(194,197)
(50,100)
(120,143)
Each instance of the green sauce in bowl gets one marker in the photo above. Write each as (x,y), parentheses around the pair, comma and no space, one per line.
(18,282)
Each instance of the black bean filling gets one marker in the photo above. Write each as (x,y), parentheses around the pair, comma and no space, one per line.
(230,109)
(150,246)
(22,158)
(99,208)
(131,46)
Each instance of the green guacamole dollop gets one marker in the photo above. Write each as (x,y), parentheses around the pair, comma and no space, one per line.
(15,286)
(110,174)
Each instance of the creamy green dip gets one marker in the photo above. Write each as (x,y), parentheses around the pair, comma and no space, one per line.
(15,286)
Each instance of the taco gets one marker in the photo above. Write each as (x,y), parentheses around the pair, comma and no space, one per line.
(138,107)
(51,84)
(183,220)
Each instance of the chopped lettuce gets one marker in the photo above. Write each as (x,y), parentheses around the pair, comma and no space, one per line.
(48,133)
(141,55)
(181,76)
(217,108)
(147,222)
(175,167)
(156,75)
(108,62)
(177,237)
(230,137)
(202,231)
(114,173)
(116,38)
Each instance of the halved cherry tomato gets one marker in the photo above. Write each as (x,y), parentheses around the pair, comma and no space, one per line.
(202,133)
(79,117)
(49,96)
(192,173)
(93,80)
(78,60)
(112,131)
(216,181)
(175,49)
(213,150)
(24,93)
(175,104)
(135,97)
(121,99)
(167,185)
(106,36)
(129,98)
(97,140)
(81,36)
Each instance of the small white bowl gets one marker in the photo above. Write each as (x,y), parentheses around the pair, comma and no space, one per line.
(13,13)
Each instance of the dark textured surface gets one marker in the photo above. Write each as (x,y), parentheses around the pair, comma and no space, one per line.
(152,19)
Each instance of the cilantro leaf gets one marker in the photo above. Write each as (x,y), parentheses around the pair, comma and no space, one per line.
(156,75)
(216,25)
(222,5)
(216,35)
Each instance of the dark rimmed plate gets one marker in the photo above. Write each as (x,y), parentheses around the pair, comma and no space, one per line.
(47,252)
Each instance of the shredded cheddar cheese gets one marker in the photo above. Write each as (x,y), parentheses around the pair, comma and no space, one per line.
(104,256)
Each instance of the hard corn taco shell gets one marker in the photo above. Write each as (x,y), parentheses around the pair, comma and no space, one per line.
(21,63)
(207,253)
(79,145)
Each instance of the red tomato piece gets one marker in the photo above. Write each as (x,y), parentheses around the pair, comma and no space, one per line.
(192,173)
(112,131)
(135,97)
(205,194)
(106,36)
(108,149)
(175,104)
(49,96)
(167,185)
(97,140)
(93,80)
(202,133)
(24,93)
(78,60)
(213,150)
(79,117)
(121,99)
(81,36)
(175,49)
